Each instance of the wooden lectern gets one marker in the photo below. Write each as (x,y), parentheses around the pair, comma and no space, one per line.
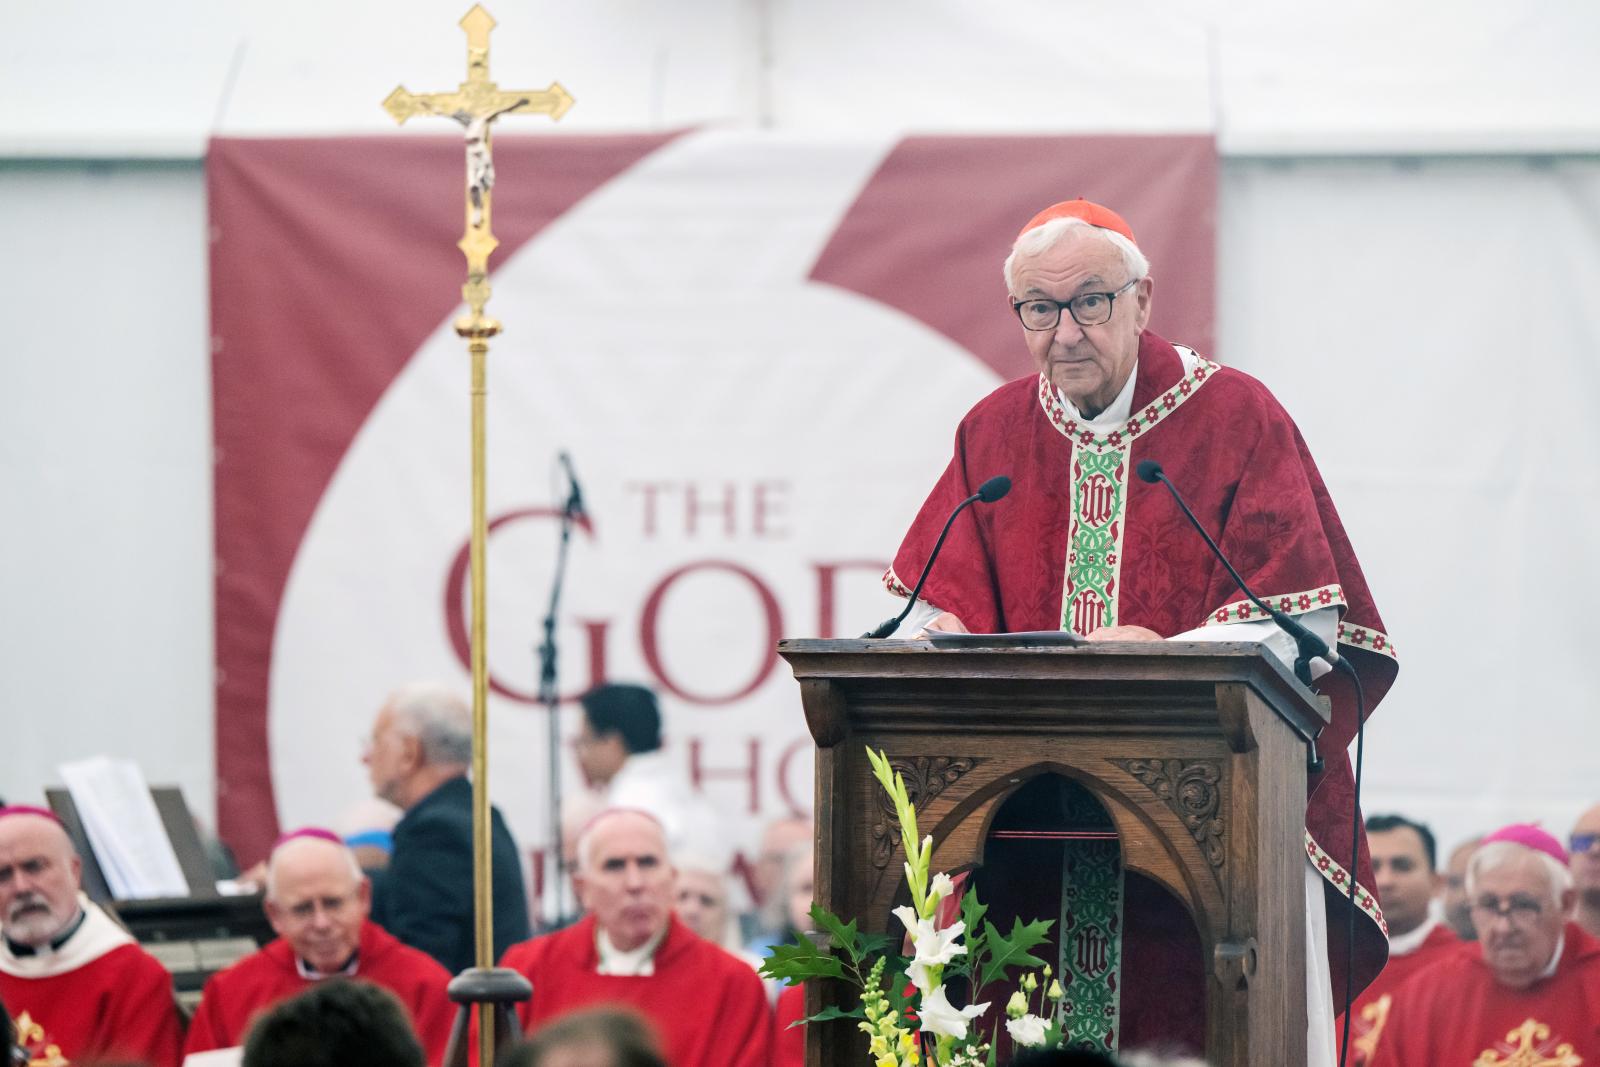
(1196,750)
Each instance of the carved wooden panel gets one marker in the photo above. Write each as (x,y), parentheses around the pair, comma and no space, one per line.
(1191,788)
(925,777)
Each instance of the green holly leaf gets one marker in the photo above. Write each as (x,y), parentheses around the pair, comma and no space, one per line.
(798,962)
(831,1012)
(844,934)
(1001,953)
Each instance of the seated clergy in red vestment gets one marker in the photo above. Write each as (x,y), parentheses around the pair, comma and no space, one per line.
(318,900)
(77,986)
(1081,544)
(1526,993)
(707,1006)
(1403,861)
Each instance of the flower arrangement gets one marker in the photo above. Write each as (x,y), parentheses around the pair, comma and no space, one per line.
(904,1007)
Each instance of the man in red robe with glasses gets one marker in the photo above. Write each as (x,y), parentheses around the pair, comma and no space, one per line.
(1527,992)
(1082,544)
(318,902)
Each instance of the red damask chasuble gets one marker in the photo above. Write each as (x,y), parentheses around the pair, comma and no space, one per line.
(1081,542)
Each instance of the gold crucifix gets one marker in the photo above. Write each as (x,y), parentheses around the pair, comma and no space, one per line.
(476,103)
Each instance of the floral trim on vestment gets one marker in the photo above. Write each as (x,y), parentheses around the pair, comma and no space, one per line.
(1330,869)
(1288,603)
(1329,596)
(892,582)
(1139,422)
(1368,638)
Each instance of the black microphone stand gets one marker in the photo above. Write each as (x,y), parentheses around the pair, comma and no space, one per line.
(550,697)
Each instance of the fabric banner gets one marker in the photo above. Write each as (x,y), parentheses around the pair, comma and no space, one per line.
(754,347)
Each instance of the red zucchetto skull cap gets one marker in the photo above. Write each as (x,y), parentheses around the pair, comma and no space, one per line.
(1090,212)
(29,809)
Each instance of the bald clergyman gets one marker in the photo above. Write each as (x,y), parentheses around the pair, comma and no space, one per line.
(318,902)
(706,1005)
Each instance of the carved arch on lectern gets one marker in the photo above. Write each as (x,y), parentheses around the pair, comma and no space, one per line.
(1163,850)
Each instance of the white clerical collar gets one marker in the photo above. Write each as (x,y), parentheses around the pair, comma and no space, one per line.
(633,963)
(311,974)
(95,936)
(1555,957)
(1116,413)
(1407,943)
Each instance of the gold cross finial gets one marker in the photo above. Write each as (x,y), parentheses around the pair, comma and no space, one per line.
(1528,1040)
(476,103)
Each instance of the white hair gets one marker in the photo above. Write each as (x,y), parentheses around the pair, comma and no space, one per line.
(1500,853)
(349,857)
(438,718)
(585,844)
(1044,237)
(1147,1058)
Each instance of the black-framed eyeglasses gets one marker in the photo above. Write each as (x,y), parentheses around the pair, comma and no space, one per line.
(1582,842)
(1087,309)
(1521,910)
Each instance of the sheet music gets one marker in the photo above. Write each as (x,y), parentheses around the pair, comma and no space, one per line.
(120,817)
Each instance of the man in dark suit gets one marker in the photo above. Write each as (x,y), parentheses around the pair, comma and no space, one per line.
(418,758)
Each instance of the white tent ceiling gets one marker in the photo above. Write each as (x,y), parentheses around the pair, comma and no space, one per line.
(92,78)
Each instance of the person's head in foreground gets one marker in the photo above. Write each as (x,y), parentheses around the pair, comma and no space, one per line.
(39,876)
(604,1037)
(317,899)
(1402,868)
(625,878)
(1082,291)
(338,1023)
(421,739)
(1521,896)
(1062,1057)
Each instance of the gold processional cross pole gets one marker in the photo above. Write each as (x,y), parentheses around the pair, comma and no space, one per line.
(476,103)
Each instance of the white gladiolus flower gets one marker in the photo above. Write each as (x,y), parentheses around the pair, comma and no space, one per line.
(941,887)
(934,948)
(940,1017)
(1027,1031)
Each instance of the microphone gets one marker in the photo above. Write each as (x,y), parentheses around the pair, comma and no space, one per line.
(987,493)
(574,505)
(1309,644)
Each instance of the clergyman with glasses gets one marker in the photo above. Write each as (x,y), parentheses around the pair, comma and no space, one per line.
(319,904)
(1083,544)
(1527,991)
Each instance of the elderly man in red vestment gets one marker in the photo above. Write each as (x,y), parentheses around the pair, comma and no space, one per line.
(1403,858)
(1527,992)
(1081,544)
(707,1006)
(318,901)
(76,985)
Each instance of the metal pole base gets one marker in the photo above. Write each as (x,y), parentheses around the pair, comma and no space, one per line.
(499,987)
